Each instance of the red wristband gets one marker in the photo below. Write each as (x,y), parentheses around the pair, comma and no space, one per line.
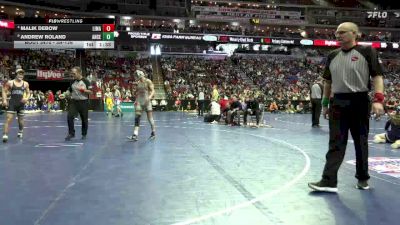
(379,97)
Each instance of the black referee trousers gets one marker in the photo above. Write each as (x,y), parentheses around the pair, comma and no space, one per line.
(76,107)
(350,111)
(316,107)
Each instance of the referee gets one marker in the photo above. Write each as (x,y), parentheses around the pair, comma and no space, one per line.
(347,76)
(316,98)
(79,102)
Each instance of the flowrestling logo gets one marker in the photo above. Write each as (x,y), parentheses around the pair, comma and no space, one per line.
(382,14)
(379,15)
(50,75)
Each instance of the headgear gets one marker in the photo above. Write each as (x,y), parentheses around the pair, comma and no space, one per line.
(139,74)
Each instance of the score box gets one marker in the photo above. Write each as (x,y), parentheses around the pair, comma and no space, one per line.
(108,27)
(107,36)
(104,45)
(89,44)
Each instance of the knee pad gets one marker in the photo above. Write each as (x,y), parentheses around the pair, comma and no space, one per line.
(137,120)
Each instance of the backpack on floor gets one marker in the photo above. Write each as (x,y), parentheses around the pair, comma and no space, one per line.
(207,118)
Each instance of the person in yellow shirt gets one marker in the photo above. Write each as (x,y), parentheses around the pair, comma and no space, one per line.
(215,94)
(108,100)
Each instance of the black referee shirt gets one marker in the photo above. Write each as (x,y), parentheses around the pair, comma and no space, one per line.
(350,70)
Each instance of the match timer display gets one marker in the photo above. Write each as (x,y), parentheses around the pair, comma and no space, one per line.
(77,33)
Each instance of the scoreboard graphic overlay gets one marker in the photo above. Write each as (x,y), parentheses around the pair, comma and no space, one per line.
(78,33)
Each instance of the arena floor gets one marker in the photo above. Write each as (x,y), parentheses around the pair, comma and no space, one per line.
(192,173)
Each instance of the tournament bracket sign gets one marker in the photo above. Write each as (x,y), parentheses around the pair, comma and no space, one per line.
(70,33)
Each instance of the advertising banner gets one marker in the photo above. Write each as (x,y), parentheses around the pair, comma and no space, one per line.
(326,43)
(8,24)
(280,41)
(49,74)
(383,165)
(226,38)
(126,107)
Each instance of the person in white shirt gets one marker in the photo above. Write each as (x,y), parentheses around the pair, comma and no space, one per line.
(215,112)
(200,103)
(316,105)
(163,105)
(154,103)
(117,101)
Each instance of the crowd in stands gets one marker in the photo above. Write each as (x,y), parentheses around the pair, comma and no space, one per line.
(115,73)
(392,88)
(276,80)
(33,59)
(102,70)
(45,102)
(282,78)
(280,83)
(6,35)
(185,77)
